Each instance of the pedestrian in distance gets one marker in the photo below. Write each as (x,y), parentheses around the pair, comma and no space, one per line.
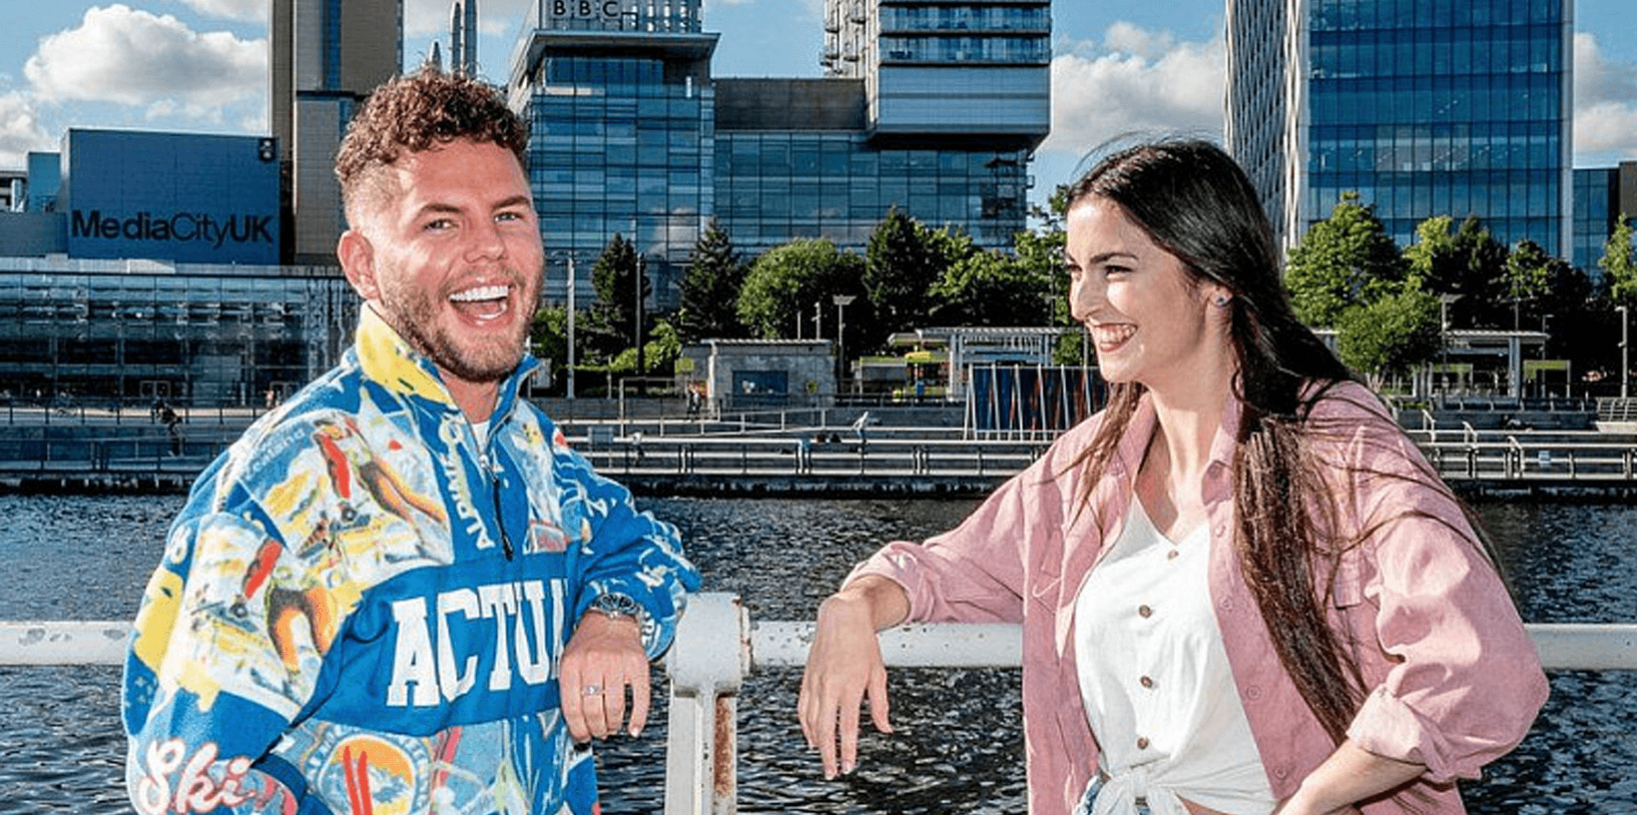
(1241,587)
(401,590)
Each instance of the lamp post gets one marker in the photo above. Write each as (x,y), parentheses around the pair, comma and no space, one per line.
(841,301)
(571,306)
(642,264)
(1625,346)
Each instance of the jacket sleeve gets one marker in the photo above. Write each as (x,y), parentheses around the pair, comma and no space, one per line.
(1462,682)
(227,649)
(977,571)
(624,551)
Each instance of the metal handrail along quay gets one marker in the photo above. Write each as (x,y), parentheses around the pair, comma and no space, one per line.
(717,646)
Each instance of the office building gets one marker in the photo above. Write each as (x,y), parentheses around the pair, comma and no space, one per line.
(104,333)
(932,107)
(1422,107)
(463,37)
(622,114)
(326,58)
(13,190)
(1601,195)
(151,271)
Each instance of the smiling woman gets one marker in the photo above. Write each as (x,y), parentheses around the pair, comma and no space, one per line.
(1240,586)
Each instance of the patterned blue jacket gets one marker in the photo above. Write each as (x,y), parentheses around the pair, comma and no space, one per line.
(362,606)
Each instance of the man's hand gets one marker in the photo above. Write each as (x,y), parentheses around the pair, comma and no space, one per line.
(603,658)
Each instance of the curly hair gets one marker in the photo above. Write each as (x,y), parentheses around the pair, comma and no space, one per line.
(421,111)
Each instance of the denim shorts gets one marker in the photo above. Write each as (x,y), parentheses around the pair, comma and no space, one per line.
(1090,798)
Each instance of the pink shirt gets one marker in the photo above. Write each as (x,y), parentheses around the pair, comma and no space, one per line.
(1456,681)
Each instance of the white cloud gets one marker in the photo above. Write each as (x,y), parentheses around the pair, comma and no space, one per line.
(20,131)
(254,11)
(1138,80)
(137,59)
(423,18)
(1605,102)
(1131,39)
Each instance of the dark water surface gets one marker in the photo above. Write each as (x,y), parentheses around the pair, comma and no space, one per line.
(958,745)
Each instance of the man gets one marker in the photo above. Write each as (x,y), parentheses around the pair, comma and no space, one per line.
(364,605)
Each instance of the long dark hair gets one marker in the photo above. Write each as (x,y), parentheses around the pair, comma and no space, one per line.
(1197,204)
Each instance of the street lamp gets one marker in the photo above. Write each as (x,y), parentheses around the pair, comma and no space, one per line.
(569,258)
(1625,346)
(642,277)
(571,307)
(841,301)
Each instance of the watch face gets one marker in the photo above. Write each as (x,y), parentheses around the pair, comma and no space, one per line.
(617,605)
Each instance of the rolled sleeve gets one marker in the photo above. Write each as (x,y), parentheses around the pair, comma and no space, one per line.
(1462,681)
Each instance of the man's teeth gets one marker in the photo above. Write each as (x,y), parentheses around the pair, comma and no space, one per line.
(480,293)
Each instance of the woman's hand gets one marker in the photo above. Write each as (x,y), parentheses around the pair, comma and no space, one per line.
(1349,775)
(844,667)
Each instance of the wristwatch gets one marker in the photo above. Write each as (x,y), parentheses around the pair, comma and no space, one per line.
(615,604)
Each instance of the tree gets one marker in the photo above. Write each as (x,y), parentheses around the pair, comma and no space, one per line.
(902,263)
(1538,285)
(1619,264)
(661,352)
(788,281)
(611,325)
(990,288)
(710,290)
(548,336)
(1390,335)
(1468,266)
(1344,260)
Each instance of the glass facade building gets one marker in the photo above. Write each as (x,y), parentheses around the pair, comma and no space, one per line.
(1601,195)
(936,111)
(835,180)
(622,114)
(100,333)
(1422,107)
(1596,206)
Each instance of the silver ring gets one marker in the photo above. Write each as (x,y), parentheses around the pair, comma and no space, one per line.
(592,690)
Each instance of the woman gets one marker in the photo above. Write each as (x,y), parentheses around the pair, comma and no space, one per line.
(1241,588)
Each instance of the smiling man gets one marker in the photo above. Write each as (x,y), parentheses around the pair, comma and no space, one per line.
(402,591)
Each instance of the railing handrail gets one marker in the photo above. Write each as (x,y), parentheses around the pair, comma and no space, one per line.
(717,645)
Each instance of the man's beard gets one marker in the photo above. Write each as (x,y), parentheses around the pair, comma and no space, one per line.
(415,318)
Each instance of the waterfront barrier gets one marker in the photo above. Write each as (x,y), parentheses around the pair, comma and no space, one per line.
(717,646)
(795,460)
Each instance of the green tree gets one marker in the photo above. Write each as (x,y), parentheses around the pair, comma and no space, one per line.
(548,336)
(660,352)
(903,262)
(611,325)
(1619,264)
(993,289)
(710,290)
(1539,285)
(1467,266)
(1344,260)
(786,282)
(1390,335)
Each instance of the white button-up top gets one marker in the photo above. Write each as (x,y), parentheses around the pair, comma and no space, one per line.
(1156,682)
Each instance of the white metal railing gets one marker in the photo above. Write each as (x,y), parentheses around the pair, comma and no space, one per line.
(717,646)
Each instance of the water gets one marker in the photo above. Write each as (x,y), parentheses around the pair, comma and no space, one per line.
(958,746)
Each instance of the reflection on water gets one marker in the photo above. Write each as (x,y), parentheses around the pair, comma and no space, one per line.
(958,745)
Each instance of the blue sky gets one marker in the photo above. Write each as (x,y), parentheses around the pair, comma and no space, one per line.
(1119,66)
